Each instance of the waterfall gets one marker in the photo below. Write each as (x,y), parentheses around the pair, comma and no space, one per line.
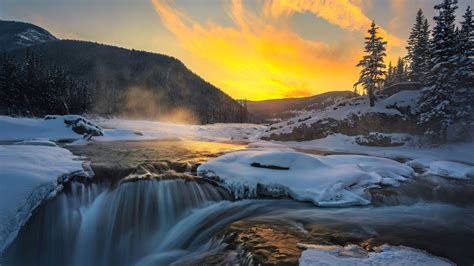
(148,221)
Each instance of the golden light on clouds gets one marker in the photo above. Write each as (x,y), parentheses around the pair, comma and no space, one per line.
(261,57)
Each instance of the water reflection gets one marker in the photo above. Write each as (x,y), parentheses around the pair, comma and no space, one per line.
(135,152)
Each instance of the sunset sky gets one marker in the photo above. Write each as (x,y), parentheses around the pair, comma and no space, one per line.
(249,49)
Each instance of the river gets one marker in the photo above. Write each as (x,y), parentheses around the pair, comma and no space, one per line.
(146,207)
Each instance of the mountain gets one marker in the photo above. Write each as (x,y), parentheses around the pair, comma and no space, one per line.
(138,84)
(14,35)
(281,109)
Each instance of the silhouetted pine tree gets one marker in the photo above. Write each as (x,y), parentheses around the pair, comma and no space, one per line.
(372,64)
(389,76)
(437,104)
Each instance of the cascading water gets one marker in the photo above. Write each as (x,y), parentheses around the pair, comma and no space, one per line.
(160,215)
(148,221)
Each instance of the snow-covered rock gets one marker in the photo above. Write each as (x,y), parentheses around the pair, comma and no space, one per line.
(337,180)
(443,168)
(28,175)
(354,255)
(79,124)
(383,139)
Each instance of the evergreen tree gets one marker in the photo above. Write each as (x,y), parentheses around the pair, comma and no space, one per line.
(389,78)
(418,49)
(400,74)
(464,75)
(10,91)
(465,57)
(30,89)
(372,64)
(436,103)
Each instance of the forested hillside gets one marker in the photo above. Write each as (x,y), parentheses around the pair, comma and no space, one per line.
(138,84)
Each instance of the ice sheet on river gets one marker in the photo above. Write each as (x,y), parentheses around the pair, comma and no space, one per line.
(28,175)
(337,180)
(354,255)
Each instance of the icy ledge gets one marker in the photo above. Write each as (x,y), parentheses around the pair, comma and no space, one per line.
(331,181)
(355,255)
(30,174)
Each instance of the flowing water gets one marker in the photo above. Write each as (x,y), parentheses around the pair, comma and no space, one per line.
(157,213)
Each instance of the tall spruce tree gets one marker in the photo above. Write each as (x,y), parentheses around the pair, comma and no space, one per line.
(372,64)
(464,63)
(418,49)
(465,58)
(436,103)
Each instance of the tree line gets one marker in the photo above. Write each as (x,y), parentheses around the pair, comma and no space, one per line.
(29,88)
(440,59)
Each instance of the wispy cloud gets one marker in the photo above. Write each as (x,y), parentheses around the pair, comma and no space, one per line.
(346,14)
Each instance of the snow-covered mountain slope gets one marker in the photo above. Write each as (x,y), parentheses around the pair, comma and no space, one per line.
(281,109)
(394,114)
(15,35)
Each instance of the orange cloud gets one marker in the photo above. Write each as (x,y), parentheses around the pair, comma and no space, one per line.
(260,57)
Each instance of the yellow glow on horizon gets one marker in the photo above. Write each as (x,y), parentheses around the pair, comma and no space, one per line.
(262,58)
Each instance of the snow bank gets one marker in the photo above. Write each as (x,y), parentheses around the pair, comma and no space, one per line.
(68,127)
(354,255)
(461,152)
(74,127)
(28,175)
(337,180)
(123,129)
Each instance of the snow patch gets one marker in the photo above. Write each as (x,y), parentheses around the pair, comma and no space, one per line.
(37,142)
(336,180)
(354,255)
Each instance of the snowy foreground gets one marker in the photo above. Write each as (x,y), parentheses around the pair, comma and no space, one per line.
(33,169)
(30,174)
(355,255)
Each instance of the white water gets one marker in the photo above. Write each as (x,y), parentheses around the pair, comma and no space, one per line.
(145,222)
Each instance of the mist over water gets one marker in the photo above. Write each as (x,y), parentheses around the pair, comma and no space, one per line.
(142,103)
